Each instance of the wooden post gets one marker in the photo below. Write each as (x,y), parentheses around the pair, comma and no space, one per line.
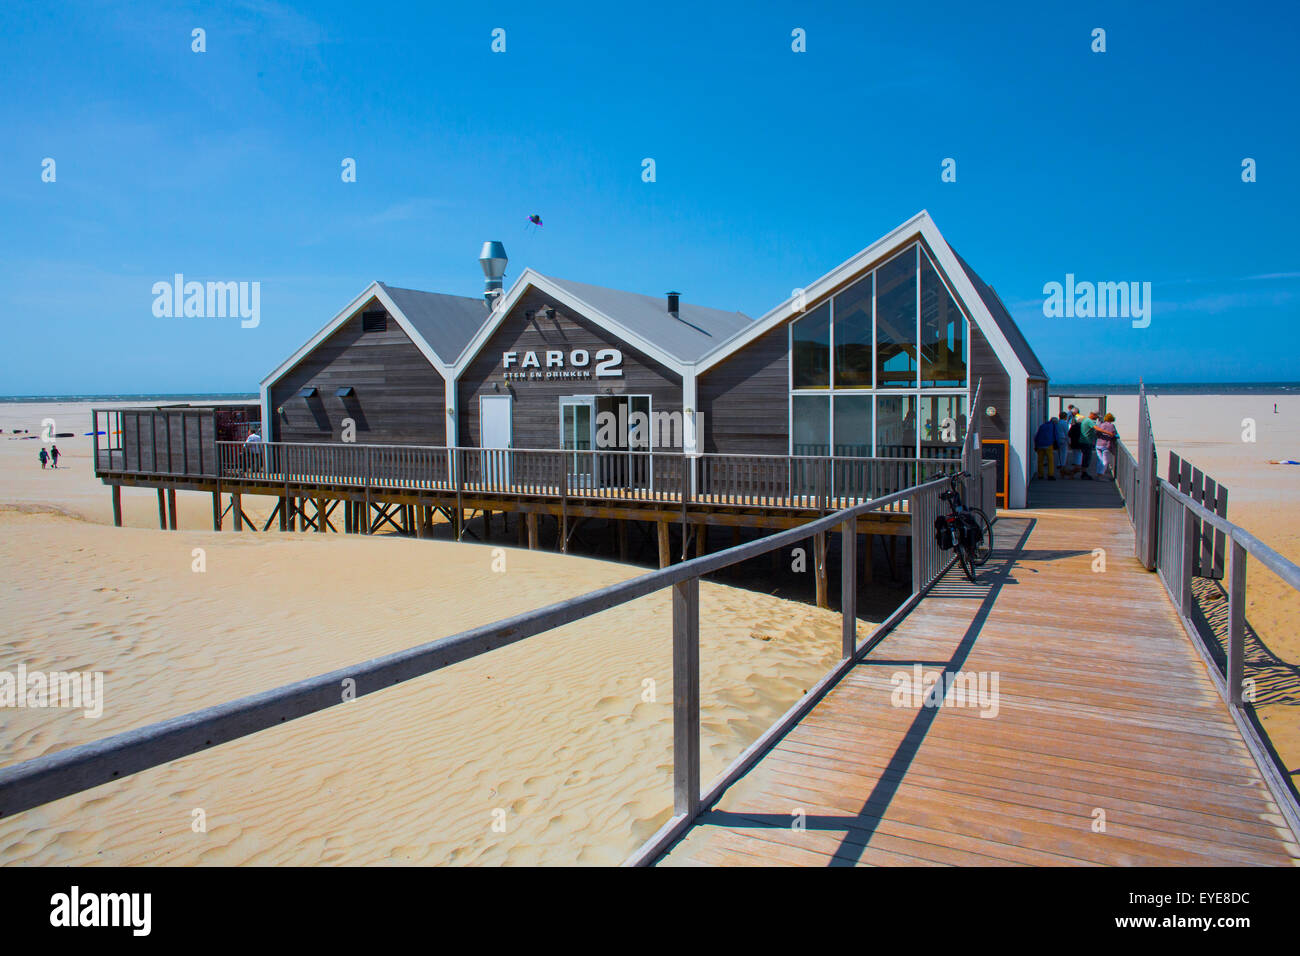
(849,588)
(216,511)
(686,696)
(320,515)
(913,507)
(522,531)
(664,558)
(1189,544)
(236,506)
(117,506)
(284,513)
(171,508)
(1236,623)
(819,566)
(701,540)
(487,523)
(1220,507)
(162,510)
(419,521)
(622,539)
(530,519)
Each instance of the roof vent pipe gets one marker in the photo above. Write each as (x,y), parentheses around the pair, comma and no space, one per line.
(493,260)
(673,304)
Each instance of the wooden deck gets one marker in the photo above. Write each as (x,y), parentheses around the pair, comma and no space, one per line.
(1104,707)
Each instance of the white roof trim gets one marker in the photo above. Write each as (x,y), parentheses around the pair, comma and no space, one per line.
(373,291)
(528,278)
(921,224)
(787,309)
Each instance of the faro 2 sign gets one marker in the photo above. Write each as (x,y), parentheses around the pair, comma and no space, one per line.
(556,364)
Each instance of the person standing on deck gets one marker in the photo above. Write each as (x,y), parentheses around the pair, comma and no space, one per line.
(1076,452)
(252,450)
(1062,426)
(1106,435)
(1087,442)
(1045,448)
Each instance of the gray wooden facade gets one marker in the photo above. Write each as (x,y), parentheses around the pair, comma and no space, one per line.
(398,397)
(539,324)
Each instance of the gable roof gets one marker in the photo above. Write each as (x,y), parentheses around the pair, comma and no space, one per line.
(1016,338)
(640,321)
(438,325)
(963,282)
(445,322)
(698,331)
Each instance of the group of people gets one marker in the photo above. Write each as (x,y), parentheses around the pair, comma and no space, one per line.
(1077,445)
(52,456)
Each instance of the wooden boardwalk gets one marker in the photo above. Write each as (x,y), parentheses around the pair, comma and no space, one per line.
(1104,716)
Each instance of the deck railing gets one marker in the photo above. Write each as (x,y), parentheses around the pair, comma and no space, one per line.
(1168,529)
(810,483)
(54,776)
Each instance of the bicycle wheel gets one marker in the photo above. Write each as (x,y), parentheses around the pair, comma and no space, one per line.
(985,549)
(966,560)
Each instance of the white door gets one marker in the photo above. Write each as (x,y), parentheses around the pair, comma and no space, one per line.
(495,433)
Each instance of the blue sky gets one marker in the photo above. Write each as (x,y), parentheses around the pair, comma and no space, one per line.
(772,167)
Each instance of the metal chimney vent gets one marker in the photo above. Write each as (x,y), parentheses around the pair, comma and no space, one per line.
(673,303)
(493,260)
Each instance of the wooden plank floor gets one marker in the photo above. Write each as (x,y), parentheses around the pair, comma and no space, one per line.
(1104,714)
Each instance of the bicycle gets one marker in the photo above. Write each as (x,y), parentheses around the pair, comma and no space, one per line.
(966,530)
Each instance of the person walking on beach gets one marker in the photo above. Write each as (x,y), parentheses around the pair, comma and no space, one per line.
(54,455)
(1045,447)
(43,457)
(1106,435)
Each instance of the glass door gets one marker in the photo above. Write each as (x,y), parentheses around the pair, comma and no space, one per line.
(577,425)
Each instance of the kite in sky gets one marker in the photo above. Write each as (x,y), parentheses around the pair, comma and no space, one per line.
(536,221)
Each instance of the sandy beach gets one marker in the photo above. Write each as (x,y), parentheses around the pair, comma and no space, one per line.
(567,733)
(1210,431)
(562,742)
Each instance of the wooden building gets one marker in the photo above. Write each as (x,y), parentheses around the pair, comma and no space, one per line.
(878,358)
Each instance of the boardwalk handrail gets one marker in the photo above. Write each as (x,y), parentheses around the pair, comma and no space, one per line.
(42,779)
(1165,531)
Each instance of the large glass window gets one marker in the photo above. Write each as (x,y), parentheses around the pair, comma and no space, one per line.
(882,366)
(811,425)
(943,425)
(853,426)
(810,346)
(943,332)
(896,426)
(853,335)
(896,322)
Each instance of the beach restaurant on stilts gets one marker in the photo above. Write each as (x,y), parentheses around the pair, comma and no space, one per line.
(564,400)
(877,358)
